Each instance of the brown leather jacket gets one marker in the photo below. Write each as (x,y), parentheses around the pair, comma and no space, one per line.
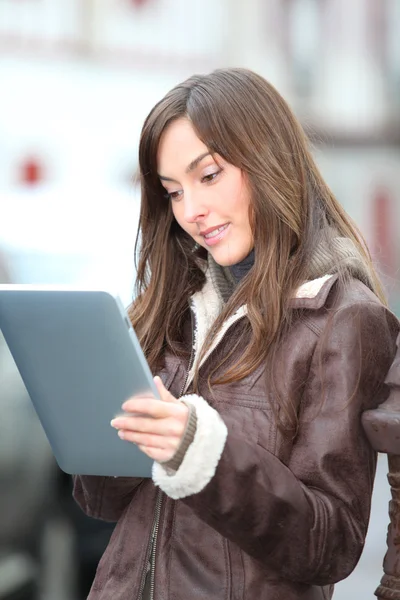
(252,514)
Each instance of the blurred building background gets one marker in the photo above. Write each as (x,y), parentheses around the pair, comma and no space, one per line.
(77,78)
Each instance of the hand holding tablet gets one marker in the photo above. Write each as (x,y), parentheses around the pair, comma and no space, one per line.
(156,428)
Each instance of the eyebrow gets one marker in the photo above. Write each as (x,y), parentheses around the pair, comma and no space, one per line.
(190,168)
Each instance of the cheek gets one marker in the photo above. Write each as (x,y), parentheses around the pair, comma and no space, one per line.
(240,203)
(178,212)
(237,194)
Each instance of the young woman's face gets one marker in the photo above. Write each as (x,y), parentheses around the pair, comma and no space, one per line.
(210,200)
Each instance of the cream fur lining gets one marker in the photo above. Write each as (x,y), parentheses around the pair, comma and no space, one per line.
(310,289)
(202,456)
(207,305)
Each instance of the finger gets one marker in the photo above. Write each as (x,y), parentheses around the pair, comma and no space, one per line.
(163,427)
(165,395)
(145,404)
(145,439)
(151,407)
(157,454)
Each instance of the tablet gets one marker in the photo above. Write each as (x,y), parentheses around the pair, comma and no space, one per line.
(79,359)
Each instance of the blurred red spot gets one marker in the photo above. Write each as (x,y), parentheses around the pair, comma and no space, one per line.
(31,172)
(383,242)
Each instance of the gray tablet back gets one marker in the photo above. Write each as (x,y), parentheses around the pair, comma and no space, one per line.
(80,360)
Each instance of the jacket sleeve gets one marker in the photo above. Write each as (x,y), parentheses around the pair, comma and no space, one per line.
(104,498)
(306,520)
(393,377)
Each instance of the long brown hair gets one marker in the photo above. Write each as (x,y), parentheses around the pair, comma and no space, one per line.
(240,116)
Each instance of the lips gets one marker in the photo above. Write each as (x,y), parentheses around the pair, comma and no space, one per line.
(213,231)
(214,235)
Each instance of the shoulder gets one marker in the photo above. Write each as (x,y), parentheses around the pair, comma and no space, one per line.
(326,304)
(351,339)
(329,295)
(328,292)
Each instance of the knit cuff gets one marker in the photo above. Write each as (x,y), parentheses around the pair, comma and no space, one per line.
(175,462)
(202,456)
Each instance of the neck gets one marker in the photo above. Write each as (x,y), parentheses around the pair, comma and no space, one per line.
(328,258)
(225,279)
(243,267)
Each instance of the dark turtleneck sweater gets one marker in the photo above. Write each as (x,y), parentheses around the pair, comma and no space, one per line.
(241,269)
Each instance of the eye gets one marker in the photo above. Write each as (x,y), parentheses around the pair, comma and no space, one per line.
(173,195)
(210,177)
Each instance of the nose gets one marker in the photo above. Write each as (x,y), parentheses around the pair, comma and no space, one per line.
(194,208)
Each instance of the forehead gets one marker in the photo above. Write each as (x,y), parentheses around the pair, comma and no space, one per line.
(178,146)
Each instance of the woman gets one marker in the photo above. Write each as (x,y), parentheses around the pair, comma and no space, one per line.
(258,307)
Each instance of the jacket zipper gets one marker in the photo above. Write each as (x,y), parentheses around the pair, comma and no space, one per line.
(238,318)
(151,554)
(190,359)
(151,548)
(154,543)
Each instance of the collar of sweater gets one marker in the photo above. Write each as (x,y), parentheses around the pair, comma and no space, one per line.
(327,259)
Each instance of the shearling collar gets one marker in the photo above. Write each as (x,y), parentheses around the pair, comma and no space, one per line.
(207,305)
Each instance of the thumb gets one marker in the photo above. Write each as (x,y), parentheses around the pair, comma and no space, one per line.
(165,395)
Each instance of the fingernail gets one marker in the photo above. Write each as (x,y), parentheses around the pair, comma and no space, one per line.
(112,423)
(121,434)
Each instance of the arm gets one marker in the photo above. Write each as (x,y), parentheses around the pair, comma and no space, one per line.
(104,497)
(307,520)
(393,378)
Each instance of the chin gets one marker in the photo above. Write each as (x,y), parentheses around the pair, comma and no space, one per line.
(225,260)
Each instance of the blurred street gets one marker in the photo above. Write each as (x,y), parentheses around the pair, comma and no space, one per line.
(365,579)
